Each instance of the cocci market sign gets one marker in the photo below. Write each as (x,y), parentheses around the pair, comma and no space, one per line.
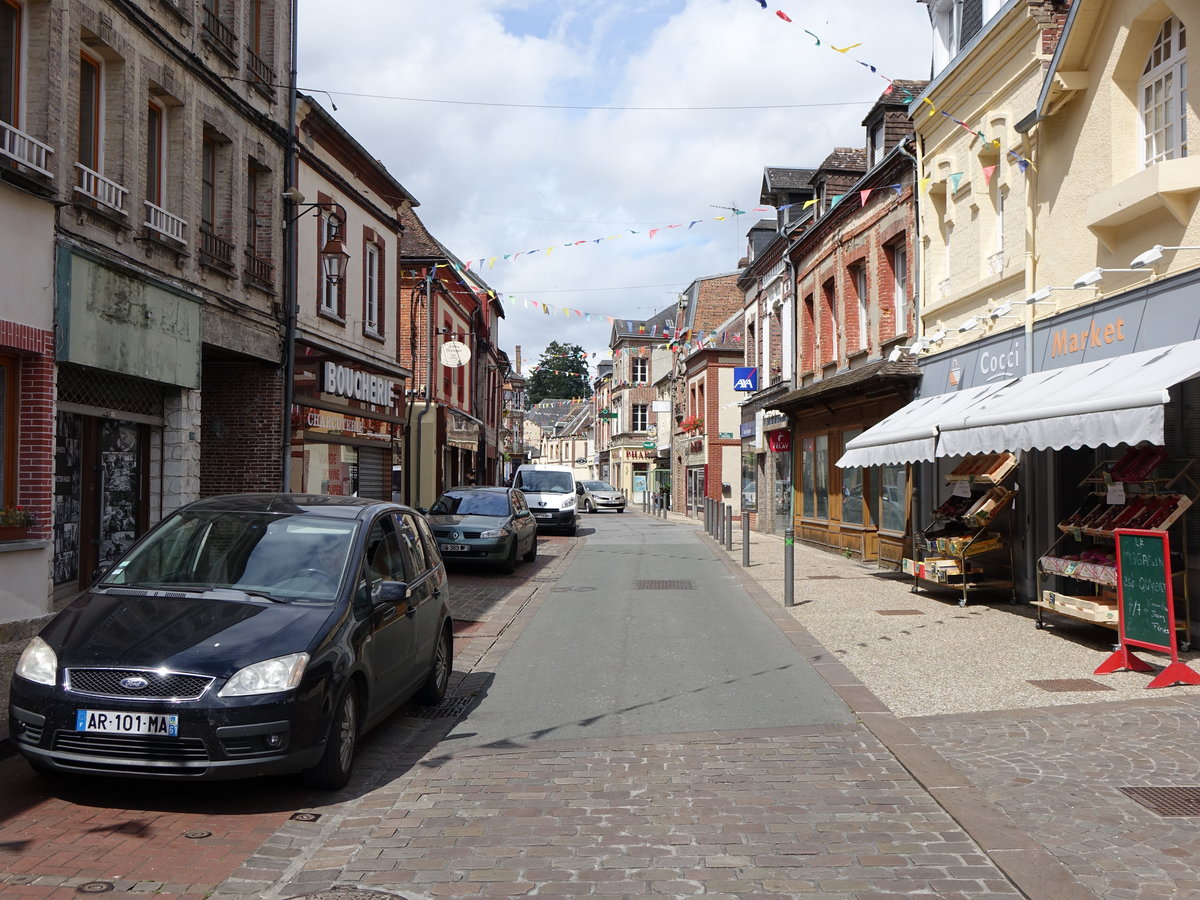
(357,385)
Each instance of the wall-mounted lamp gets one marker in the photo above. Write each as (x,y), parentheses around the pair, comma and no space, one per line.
(937,337)
(1000,311)
(916,346)
(896,353)
(334,257)
(1153,255)
(1087,279)
(968,324)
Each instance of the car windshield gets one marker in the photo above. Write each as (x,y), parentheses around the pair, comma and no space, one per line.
(471,503)
(284,557)
(598,486)
(545,482)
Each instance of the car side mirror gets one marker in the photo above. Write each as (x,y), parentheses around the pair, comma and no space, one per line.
(392,592)
(423,510)
(579,489)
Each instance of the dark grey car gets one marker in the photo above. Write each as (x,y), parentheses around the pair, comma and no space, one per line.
(245,635)
(484,524)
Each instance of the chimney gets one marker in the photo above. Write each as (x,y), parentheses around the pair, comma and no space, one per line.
(517,356)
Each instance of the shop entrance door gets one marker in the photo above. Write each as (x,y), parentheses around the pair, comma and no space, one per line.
(695,491)
(100,490)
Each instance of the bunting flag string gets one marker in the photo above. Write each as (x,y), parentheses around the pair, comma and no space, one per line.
(1022,162)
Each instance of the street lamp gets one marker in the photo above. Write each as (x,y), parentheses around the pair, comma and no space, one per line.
(334,258)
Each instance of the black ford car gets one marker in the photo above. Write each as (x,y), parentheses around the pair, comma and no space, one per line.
(245,635)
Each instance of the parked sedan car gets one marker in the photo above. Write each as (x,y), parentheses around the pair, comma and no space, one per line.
(487,524)
(597,495)
(245,635)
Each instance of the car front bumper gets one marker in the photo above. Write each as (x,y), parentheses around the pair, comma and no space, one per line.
(218,739)
(608,502)
(486,550)
(554,518)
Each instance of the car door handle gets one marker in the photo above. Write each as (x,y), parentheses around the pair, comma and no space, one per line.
(411,611)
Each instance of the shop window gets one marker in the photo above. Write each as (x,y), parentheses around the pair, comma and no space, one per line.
(749,482)
(815,476)
(888,503)
(1162,96)
(852,487)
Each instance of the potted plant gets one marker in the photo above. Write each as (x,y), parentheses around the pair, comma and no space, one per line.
(15,523)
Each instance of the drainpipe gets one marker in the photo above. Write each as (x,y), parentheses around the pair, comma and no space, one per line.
(415,498)
(915,496)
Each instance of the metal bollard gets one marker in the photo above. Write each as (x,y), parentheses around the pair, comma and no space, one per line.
(789,561)
(707,523)
(720,534)
(729,527)
(745,539)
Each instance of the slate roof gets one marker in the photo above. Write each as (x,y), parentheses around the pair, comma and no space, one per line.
(853,159)
(776,178)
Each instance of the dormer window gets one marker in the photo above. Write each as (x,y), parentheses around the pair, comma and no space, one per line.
(1162,96)
(876,145)
(947,24)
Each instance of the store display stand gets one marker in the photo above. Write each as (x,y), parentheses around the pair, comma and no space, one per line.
(958,549)
(1124,494)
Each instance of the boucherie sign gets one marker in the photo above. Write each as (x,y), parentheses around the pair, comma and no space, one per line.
(357,385)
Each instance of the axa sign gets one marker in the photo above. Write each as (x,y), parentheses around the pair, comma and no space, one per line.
(745,378)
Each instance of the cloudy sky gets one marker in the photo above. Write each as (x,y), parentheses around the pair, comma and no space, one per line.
(532,124)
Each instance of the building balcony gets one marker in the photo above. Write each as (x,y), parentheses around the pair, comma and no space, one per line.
(258,270)
(25,150)
(219,36)
(215,251)
(261,77)
(165,224)
(101,191)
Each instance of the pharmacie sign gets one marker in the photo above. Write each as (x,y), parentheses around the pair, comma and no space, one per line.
(355,384)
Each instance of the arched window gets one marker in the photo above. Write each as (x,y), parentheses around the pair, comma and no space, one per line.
(1162,96)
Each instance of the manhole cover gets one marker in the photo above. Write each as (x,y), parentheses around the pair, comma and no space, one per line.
(304,817)
(451,708)
(197,835)
(1166,801)
(94,887)
(900,612)
(665,584)
(1065,685)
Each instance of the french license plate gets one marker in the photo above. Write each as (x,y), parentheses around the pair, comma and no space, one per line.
(538,515)
(126,723)
(453,548)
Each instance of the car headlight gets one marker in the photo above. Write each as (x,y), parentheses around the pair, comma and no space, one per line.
(568,503)
(267,677)
(38,663)
(494,533)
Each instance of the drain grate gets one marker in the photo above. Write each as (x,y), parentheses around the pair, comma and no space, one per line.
(665,584)
(1066,685)
(826,577)
(544,579)
(900,612)
(450,708)
(1166,801)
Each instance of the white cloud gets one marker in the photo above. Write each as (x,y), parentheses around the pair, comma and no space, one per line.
(501,179)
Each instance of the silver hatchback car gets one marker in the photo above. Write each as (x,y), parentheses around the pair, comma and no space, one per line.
(597,495)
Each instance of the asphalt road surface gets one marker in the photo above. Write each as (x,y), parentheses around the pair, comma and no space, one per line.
(646,633)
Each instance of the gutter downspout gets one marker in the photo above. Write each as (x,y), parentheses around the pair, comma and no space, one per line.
(290,267)
(428,383)
(914,496)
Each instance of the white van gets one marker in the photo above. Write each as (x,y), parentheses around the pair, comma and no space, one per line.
(550,492)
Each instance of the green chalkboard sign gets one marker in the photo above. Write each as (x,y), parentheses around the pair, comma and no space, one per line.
(1144,589)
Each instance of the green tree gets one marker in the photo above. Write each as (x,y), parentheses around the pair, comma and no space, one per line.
(560,374)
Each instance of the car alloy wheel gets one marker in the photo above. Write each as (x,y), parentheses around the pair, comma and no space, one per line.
(434,689)
(333,771)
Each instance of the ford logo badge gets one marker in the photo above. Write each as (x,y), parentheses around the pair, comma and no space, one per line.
(135,683)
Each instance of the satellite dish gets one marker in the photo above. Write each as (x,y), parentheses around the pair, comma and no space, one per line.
(454,354)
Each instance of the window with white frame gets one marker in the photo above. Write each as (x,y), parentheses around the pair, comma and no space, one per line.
(330,292)
(898,255)
(10,62)
(1162,96)
(877,138)
(371,288)
(946,18)
(639,370)
(859,274)
(640,417)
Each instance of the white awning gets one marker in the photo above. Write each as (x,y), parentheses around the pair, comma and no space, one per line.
(1103,403)
(910,433)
